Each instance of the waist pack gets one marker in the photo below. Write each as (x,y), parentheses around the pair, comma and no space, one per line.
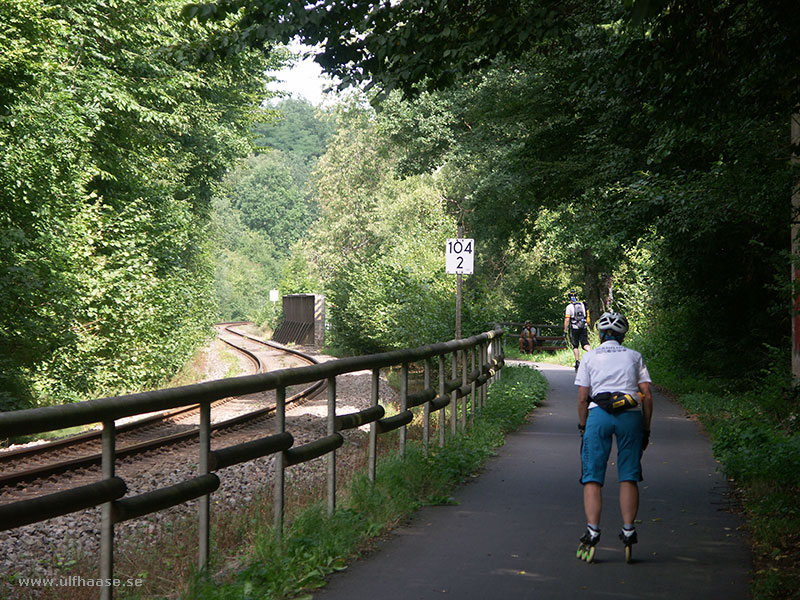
(614,402)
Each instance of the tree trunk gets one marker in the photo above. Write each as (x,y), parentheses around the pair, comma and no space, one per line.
(596,286)
(795,132)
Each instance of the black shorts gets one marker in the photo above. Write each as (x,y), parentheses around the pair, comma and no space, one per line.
(579,336)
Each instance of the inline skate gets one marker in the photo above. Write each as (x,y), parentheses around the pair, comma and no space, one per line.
(628,538)
(587,546)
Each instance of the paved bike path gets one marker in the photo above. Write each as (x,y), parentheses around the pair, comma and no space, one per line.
(514,532)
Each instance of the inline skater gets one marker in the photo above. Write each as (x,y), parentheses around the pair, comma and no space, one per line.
(614,401)
(576,326)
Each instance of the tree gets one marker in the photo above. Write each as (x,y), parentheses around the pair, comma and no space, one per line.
(269,199)
(111,144)
(391,45)
(666,121)
(378,245)
(635,141)
(246,266)
(299,130)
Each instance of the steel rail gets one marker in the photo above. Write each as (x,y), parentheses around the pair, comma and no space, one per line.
(35,420)
(72,440)
(95,459)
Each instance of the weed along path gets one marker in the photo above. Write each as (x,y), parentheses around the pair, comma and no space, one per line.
(514,530)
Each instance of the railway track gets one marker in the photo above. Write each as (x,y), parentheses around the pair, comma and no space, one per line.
(52,460)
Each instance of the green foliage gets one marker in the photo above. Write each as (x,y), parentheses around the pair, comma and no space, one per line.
(519,391)
(536,183)
(300,131)
(755,435)
(637,150)
(754,425)
(756,429)
(652,161)
(262,209)
(642,125)
(399,296)
(110,149)
(299,275)
(393,45)
(246,267)
(263,190)
(378,245)
(314,545)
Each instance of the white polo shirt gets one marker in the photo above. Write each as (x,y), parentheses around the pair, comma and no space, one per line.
(612,367)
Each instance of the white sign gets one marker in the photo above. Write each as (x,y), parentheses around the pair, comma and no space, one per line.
(460,256)
(274,295)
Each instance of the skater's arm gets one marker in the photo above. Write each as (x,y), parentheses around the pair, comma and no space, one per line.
(583,405)
(647,404)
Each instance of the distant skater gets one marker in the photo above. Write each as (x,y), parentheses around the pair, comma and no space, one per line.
(576,326)
(614,401)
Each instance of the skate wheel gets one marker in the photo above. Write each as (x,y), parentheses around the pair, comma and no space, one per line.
(590,554)
(579,553)
(628,554)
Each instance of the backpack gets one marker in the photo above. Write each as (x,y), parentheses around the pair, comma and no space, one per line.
(578,315)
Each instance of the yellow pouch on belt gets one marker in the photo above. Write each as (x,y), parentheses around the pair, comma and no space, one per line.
(617,401)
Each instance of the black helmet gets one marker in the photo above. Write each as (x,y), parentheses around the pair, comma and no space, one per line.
(573,296)
(615,322)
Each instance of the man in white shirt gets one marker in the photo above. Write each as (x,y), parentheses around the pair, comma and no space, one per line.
(576,326)
(614,400)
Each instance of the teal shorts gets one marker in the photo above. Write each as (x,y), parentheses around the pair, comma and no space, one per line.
(628,428)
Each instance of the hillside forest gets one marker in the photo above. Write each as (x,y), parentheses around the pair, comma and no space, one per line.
(149,188)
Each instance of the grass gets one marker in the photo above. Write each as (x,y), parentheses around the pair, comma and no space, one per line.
(754,426)
(761,456)
(250,561)
(315,544)
(563,357)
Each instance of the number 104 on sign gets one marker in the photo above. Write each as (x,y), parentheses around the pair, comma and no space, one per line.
(459,256)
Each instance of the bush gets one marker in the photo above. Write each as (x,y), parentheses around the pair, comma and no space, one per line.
(761,453)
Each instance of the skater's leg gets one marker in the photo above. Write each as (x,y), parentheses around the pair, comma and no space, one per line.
(629,505)
(592,502)
(628,501)
(595,449)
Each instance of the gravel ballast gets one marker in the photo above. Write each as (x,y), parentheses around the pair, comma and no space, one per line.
(49,548)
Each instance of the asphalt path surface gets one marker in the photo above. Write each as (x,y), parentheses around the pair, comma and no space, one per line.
(514,531)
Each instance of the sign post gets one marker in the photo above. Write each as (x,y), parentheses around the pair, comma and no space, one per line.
(795,246)
(459,260)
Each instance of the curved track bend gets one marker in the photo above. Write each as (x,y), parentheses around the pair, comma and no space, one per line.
(57,459)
